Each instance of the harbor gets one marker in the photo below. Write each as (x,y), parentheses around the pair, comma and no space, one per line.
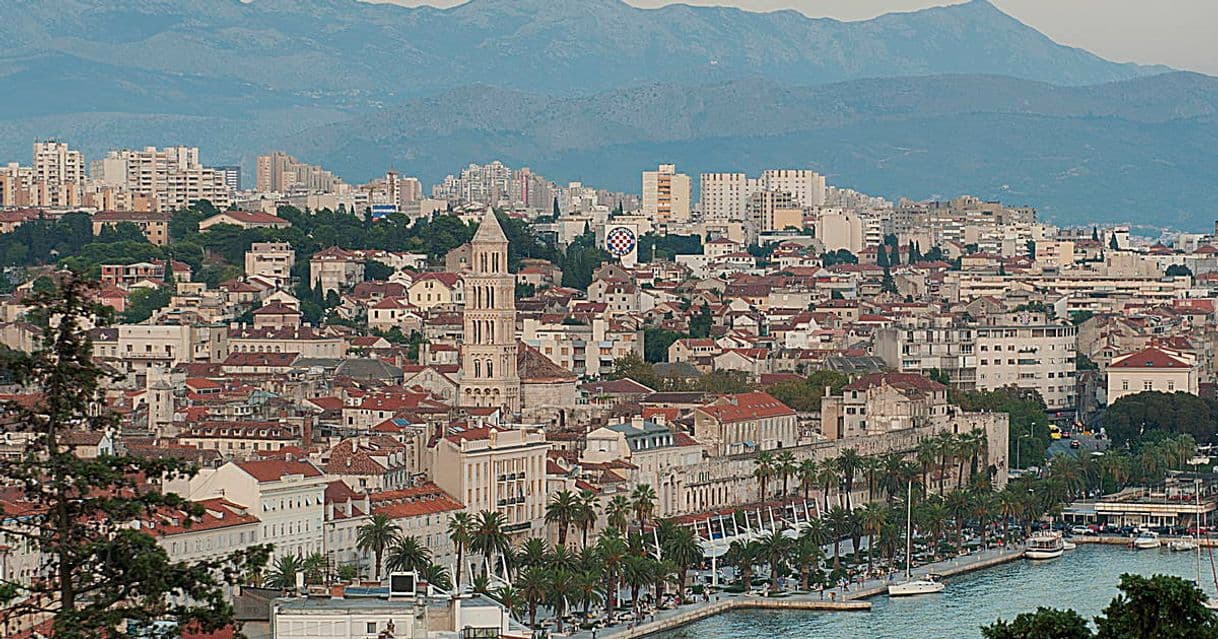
(852,599)
(979,592)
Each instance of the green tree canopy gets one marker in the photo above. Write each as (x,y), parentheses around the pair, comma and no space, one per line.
(1132,418)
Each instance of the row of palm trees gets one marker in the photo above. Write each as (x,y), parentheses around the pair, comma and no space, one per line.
(568,509)
(563,579)
(1117,469)
(940,522)
(884,475)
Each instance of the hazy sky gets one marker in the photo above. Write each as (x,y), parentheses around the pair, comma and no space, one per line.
(1179,33)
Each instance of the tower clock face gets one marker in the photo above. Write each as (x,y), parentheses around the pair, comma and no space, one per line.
(620,241)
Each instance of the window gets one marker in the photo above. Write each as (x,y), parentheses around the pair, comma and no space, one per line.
(1171,385)
(371,628)
(1147,385)
(1124,384)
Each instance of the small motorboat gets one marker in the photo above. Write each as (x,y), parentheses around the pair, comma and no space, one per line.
(1182,545)
(1210,603)
(926,586)
(1069,545)
(1147,540)
(1045,545)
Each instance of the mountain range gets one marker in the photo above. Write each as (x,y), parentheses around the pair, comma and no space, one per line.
(961,98)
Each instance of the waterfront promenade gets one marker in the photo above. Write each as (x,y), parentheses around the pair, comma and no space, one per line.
(851,599)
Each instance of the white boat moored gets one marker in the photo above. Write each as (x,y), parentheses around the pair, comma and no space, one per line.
(1147,540)
(1045,545)
(1181,545)
(916,587)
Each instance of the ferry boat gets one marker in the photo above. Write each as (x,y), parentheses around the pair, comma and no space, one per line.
(1147,540)
(1045,545)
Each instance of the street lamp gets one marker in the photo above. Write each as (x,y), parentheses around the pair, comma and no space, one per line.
(1019,447)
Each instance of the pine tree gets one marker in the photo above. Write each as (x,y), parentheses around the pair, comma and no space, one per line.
(99,573)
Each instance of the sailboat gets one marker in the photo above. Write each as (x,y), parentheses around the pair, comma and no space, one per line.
(1210,602)
(913,586)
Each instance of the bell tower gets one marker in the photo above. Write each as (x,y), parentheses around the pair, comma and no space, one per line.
(488,355)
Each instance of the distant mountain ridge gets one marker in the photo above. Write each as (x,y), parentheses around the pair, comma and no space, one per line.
(1080,153)
(598,89)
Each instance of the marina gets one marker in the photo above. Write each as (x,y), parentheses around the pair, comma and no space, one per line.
(1084,579)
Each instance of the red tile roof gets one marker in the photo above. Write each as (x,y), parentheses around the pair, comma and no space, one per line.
(746,407)
(903,381)
(273,470)
(1149,358)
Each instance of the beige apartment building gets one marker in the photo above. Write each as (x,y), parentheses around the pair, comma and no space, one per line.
(666,195)
(172,177)
(496,469)
(335,269)
(272,261)
(134,348)
(279,172)
(723,196)
(807,188)
(925,344)
(155,226)
(1028,350)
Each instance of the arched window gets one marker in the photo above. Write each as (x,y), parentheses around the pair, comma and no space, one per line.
(477,368)
(490,368)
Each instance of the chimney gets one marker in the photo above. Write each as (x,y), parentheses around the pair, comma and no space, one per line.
(338,591)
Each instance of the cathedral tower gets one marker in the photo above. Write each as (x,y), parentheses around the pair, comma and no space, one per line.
(488,354)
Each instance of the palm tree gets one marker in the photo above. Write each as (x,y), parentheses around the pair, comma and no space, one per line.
(872,518)
(460,533)
(588,589)
(983,508)
(681,546)
(848,464)
(926,454)
(488,537)
(638,572)
(773,548)
(807,473)
(586,515)
(932,517)
(612,550)
(534,586)
(407,554)
(534,552)
(839,526)
(784,467)
(617,513)
(742,555)
(959,505)
(828,478)
(315,567)
(892,475)
(283,572)
(375,536)
(561,585)
(562,511)
(643,501)
(1010,505)
(947,452)
(764,472)
(436,575)
(510,599)
(872,466)
(562,558)
(806,553)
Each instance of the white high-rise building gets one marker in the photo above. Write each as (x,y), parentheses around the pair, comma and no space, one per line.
(55,163)
(725,195)
(172,177)
(806,187)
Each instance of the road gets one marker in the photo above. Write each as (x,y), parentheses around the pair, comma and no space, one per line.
(1089,444)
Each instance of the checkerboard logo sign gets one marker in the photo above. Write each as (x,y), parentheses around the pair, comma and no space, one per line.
(620,241)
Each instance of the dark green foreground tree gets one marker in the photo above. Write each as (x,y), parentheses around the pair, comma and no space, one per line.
(1158,607)
(100,576)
